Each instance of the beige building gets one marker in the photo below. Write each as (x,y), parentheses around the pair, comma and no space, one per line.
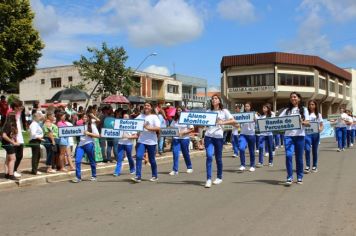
(352,106)
(271,77)
(47,81)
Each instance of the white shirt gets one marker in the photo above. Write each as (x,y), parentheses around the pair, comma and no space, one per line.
(340,122)
(248,128)
(181,128)
(295,111)
(217,131)
(349,119)
(149,137)
(19,136)
(36,130)
(70,139)
(87,139)
(354,125)
(266,133)
(313,118)
(127,141)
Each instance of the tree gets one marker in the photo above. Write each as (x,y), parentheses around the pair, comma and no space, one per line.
(106,67)
(20,43)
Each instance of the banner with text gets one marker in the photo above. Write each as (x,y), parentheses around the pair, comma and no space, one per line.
(111,133)
(169,132)
(313,128)
(334,116)
(244,117)
(279,123)
(129,124)
(71,131)
(198,118)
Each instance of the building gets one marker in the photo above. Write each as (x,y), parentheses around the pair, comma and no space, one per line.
(271,77)
(194,90)
(47,81)
(352,106)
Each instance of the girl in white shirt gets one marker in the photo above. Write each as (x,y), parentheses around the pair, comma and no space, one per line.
(36,133)
(294,140)
(147,141)
(214,140)
(266,138)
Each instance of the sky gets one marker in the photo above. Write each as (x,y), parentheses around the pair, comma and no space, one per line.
(190,37)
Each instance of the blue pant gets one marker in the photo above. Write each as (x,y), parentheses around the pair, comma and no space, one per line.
(352,136)
(268,140)
(348,137)
(112,145)
(312,143)
(213,146)
(341,137)
(294,144)
(276,138)
(121,149)
(181,144)
(281,139)
(257,141)
(247,140)
(79,153)
(235,144)
(49,150)
(161,144)
(140,152)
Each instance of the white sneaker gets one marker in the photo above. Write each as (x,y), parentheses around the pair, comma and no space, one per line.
(76,180)
(252,169)
(153,179)
(234,156)
(208,183)
(242,168)
(270,164)
(172,173)
(338,150)
(314,169)
(189,171)
(39,173)
(277,147)
(266,154)
(259,165)
(217,181)
(257,151)
(136,179)
(351,145)
(17,174)
(92,178)
(274,153)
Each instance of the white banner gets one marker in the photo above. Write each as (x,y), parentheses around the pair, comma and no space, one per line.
(313,128)
(71,131)
(169,132)
(334,116)
(244,117)
(198,118)
(111,133)
(129,124)
(227,127)
(279,123)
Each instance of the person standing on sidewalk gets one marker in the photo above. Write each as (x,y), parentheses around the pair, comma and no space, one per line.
(147,141)
(86,145)
(181,143)
(36,134)
(62,142)
(294,140)
(50,131)
(17,107)
(4,108)
(9,134)
(214,139)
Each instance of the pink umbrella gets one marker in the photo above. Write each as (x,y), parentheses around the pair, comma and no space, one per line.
(171,111)
(118,99)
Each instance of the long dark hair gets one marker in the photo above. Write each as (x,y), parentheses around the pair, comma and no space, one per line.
(221,106)
(316,107)
(89,122)
(300,106)
(10,126)
(176,116)
(249,103)
(269,108)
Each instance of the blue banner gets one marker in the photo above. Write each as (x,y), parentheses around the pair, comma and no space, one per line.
(328,131)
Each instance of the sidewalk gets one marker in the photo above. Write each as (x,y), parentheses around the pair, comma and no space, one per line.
(28,179)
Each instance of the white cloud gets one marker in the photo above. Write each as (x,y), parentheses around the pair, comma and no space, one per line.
(46,19)
(214,89)
(167,22)
(242,11)
(160,70)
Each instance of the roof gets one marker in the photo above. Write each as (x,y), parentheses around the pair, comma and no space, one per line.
(284,58)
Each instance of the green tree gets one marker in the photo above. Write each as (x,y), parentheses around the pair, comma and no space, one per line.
(106,67)
(20,43)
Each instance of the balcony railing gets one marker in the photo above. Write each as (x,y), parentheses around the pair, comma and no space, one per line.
(187,96)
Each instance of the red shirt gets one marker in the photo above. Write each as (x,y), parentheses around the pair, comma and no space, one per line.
(4,107)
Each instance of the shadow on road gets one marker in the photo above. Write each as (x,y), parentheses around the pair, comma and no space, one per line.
(263,181)
(189,182)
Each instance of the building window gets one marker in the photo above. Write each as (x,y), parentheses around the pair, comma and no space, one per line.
(322,84)
(332,87)
(296,80)
(250,80)
(42,81)
(341,91)
(56,82)
(172,88)
(70,78)
(347,91)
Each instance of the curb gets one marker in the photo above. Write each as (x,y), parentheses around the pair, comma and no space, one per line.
(86,173)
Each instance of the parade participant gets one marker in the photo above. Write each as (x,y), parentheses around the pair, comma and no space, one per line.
(147,141)
(266,138)
(181,143)
(50,132)
(36,134)
(86,145)
(247,139)
(235,134)
(163,120)
(353,131)
(69,150)
(214,140)
(62,142)
(9,142)
(294,140)
(125,145)
(340,130)
(349,124)
(312,140)
(17,107)
(111,143)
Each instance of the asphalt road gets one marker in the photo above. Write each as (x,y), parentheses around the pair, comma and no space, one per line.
(244,204)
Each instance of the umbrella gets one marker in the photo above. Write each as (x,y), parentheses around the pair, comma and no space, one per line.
(136,99)
(116,99)
(71,94)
